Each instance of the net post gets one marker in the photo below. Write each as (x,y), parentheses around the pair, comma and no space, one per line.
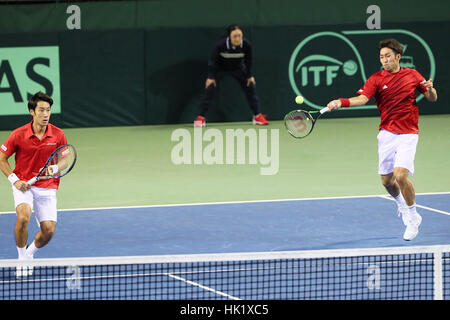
(437,276)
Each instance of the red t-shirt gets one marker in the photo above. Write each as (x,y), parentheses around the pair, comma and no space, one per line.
(396,99)
(32,153)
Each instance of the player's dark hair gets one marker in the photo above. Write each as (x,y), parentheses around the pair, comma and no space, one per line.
(391,44)
(231,28)
(39,96)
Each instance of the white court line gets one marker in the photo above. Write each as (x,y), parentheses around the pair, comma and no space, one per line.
(23,280)
(208,203)
(230,202)
(420,206)
(203,287)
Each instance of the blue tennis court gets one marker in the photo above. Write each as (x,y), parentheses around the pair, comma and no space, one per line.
(236,241)
(309,224)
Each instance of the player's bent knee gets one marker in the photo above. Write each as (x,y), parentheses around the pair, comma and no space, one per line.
(47,235)
(49,232)
(48,229)
(23,214)
(23,209)
(401,175)
(387,183)
(22,221)
(388,180)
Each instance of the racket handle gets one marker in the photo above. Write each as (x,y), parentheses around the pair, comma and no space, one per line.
(323,110)
(32,181)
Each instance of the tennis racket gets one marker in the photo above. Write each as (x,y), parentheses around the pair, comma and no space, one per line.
(300,123)
(60,162)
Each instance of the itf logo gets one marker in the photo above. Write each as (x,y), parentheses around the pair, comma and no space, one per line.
(327,65)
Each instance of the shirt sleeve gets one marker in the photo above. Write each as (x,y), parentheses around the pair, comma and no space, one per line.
(9,146)
(369,89)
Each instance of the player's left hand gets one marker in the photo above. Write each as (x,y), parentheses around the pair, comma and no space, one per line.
(428,84)
(53,170)
(250,81)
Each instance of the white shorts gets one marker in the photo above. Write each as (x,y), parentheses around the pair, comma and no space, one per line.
(396,151)
(41,200)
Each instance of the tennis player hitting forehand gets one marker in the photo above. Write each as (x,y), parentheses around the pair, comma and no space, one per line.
(394,91)
(32,144)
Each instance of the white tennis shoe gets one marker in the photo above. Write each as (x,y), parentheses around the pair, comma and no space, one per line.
(412,223)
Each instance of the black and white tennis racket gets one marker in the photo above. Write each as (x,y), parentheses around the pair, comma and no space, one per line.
(60,162)
(300,123)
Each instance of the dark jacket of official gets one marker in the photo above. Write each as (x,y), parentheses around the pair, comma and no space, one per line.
(225,57)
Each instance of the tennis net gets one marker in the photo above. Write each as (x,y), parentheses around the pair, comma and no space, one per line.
(381,273)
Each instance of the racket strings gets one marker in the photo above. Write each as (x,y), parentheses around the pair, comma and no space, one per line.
(299,124)
(54,160)
(64,159)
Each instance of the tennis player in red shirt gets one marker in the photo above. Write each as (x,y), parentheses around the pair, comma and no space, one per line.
(394,91)
(32,144)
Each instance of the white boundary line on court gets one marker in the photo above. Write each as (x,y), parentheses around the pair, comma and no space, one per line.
(196,284)
(244,201)
(420,206)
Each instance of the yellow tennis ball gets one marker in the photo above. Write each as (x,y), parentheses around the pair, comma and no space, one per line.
(299,99)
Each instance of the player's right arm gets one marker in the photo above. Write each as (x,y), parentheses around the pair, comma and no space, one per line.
(350,102)
(365,94)
(8,172)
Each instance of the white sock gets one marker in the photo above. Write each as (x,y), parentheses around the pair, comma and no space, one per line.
(399,199)
(22,252)
(31,250)
(412,210)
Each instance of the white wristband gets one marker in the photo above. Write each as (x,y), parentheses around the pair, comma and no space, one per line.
(13,178)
